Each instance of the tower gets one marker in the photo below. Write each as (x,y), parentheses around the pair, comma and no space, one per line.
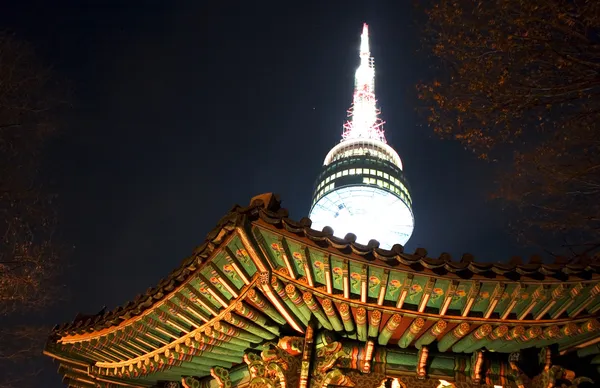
(362,188)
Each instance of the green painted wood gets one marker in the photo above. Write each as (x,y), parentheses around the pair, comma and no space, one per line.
(346,316)
(431,334)
(477,335)
(453,336)
(210,352)
(316,309)
(521,342)
(374,322)
(279,288)
(496,334)
(241,258)
(257,318)
(249,326)
(201,341)
(236,336)
(297,300)
(397,359)
(332,316)
(219,336)
(513,333)
(389,329)
(236,247)
(361,324)
(549,335)
(265,306)
(225,264)
(411,333)
(439,363)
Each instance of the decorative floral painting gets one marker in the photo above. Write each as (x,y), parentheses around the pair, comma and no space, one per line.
(414,293)
(374,283)
(299,262)
(461,292)
(319,271)
(213,279)
(482,300)
(229,271)
(276,249)
(337,276)
(242,256)
(394,288)
(201,287)
(436,294)
(355,282)
(278,252)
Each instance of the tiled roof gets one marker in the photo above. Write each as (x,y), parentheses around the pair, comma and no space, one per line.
(267,208)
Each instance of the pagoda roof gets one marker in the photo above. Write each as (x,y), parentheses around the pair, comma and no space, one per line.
(259,271)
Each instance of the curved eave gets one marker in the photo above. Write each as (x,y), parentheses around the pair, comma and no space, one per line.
(272,216)
(174,281)
(259,262)
(560,270)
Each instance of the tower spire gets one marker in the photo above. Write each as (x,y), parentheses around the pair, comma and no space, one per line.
(364,121)
(361,188)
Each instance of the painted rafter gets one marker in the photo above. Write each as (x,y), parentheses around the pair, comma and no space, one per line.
(426,294)
(327,271)
(592,292)
(404,292)
(495,298)
(308,268)
(536,297)
(286,255)
(383,288)
(199,337)
(452,285)
(514,299)
(117,346)
(473,293)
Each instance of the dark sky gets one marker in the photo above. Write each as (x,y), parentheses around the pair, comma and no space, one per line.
(184,109)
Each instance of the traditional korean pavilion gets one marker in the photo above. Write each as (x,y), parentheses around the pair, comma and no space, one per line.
(267,301)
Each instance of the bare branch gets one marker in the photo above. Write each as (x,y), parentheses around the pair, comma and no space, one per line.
(29,254)
(523,85)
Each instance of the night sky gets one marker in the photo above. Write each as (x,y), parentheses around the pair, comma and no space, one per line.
(182,110)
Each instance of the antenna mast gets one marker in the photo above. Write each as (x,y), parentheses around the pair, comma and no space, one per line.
(364,121)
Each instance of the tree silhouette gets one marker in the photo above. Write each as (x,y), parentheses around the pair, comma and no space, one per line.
(520,80)
(28,253)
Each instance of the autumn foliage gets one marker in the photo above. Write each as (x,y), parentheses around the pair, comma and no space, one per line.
(29,258)
(27,219)
(519,80)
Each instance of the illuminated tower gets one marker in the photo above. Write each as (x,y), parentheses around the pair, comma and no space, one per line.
(361,188)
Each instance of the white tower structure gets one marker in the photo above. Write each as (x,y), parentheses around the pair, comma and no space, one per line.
(361,188)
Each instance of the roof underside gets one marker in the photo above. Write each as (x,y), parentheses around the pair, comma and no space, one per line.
(260,275)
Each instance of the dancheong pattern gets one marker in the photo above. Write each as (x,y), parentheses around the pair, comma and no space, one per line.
(268,301)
